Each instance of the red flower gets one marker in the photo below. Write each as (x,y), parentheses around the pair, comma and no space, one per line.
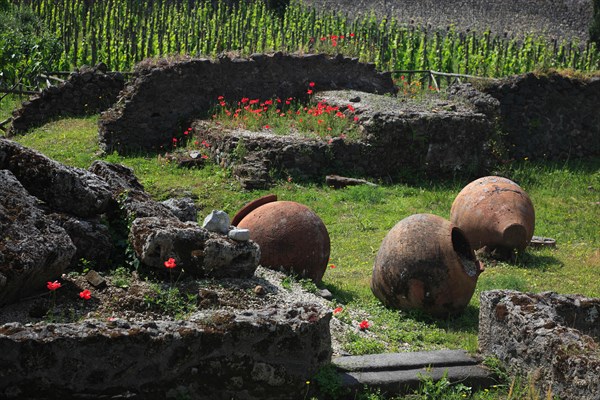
(331,265)
(311,84)
(309,91)
(364,325)
(338,310)
(266,126)
(220,98)
(352,35)
(86,294)
(245,100)
(174,140)
(52,286)
(204,156)
(170,263)
(356,119)
(189,129)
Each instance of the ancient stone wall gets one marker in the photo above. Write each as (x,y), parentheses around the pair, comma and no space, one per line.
(87,91)
(553,117)
(551,338)
(398,137)
(253,354)
(164,97)
(554,19)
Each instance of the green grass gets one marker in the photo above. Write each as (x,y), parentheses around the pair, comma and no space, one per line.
(565,197)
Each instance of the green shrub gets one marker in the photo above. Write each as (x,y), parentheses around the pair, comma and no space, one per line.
(26,46)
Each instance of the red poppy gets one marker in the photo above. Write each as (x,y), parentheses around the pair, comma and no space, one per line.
(364,325)
(220,98)
(86,294)
(309,91)
(170,263)
(204,156)
(332,265)
(338,310)
(311,84)
(267,127)
(352,35)
(52,286)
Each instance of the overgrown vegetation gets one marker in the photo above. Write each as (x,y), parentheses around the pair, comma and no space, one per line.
(27,47)
(283,116)
(123,32)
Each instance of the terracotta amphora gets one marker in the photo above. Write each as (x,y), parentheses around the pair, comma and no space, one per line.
(495,213)
(290,235)
(425,263)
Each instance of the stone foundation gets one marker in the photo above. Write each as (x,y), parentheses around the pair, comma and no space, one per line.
(398,137)
(549,117)
(252,354)
(164,96)
(553,339)
(87,91)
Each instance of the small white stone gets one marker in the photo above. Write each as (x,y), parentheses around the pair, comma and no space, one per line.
(241,235)
(217,221)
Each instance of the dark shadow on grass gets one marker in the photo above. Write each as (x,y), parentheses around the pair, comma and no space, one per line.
(541,262)
(467,321)
(340,295)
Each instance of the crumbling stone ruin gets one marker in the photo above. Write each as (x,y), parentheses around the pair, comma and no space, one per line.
(535,116)
(87,91)
(164,97)
(211,354)
(44,231)
(554,339)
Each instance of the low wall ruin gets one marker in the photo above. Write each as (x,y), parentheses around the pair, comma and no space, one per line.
(164,97)
(549,116)
(543,116)
(554,339)
(252,354)
(87,91)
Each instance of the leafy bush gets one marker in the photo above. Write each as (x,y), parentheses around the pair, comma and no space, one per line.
(27,48)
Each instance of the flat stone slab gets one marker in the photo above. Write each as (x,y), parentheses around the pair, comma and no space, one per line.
(400,373)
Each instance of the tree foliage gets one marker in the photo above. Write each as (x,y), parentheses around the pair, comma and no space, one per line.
(27,48)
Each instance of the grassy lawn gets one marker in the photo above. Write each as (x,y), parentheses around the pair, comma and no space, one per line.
(565,196)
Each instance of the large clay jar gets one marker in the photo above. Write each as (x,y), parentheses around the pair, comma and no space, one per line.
(425,263)
(290,235)
(495,213)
